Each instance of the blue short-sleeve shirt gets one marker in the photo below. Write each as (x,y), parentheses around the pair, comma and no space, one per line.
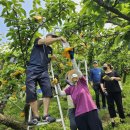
(39,58)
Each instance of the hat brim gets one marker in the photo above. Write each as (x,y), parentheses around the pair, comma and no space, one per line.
(95,62)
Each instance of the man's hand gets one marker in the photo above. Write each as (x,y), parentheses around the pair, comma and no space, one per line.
(53,57)
(62,39)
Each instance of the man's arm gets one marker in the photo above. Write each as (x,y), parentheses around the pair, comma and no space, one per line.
(91,77)
(49,40)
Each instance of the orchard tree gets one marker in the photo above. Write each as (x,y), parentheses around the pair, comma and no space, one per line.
(105,45)
(84,31)
(23,29)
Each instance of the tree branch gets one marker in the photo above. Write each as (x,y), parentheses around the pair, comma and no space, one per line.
(114,10)
(115,23)
(11,123)
(115,3)
(19,37)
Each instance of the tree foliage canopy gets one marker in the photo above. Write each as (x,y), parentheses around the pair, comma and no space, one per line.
(85,30)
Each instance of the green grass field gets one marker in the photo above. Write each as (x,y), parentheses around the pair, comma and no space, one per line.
(14,112)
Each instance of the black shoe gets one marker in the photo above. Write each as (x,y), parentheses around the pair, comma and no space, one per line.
(113,124)
(104,108)
(48,119)
(98,108)
(34,121)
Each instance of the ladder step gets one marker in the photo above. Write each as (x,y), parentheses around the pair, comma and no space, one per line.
(40,99)
(55,96)
(45,123)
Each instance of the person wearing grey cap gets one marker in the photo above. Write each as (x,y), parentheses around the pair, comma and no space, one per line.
(37,72)
(95,77)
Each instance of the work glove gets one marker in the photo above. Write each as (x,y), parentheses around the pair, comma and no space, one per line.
(71,54)
(54,81)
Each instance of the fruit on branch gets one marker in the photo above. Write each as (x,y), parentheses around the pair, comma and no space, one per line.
(24,88)
(38,18)
(61,66)
(69,64)
(66,52)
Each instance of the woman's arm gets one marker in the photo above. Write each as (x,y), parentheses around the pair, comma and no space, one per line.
(102,87)
(60,92)
(75,66)
(116,78)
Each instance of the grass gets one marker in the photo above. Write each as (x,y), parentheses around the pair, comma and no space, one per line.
(14,112)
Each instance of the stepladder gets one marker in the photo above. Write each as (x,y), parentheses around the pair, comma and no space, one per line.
(58,120)
(84,62)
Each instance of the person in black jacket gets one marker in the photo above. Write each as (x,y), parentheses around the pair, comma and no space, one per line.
(110,86)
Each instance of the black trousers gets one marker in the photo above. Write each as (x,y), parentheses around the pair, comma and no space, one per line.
(116,98)
(89,121)
(98,91)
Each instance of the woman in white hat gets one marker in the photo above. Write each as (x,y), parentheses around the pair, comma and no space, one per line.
(86,114)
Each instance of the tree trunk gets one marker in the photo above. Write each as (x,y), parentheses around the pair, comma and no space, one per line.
(12,123)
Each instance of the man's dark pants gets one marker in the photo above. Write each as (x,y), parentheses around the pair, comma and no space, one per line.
(42,79)
(98,91)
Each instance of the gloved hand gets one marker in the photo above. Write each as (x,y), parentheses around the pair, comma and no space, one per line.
(71,54)
(54,81)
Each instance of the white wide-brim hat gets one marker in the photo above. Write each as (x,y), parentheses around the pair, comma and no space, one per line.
(72,74)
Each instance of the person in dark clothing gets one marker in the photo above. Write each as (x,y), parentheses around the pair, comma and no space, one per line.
(109,84)
(37,72)
(95,77)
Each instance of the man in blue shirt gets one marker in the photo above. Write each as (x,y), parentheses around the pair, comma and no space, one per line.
(95,77)
(37,72)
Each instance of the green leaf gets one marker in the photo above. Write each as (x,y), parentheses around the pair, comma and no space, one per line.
(38,2)
(4,11)
(23,11)
(8,34)
(8,24)
(21,0)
